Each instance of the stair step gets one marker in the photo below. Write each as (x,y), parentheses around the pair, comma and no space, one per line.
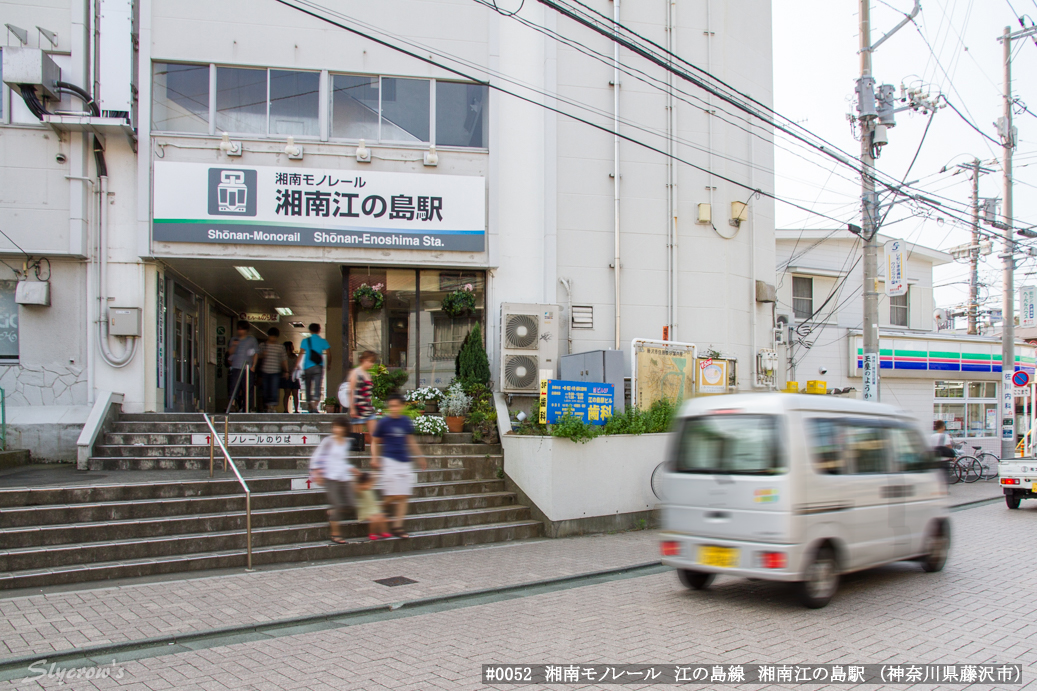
(428,485)
(481,465)
(23,558)
(306,551)
(183,447)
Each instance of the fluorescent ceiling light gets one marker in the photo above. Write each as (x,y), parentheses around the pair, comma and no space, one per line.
(297,325)
(284,311)
(268,293)
(249,272)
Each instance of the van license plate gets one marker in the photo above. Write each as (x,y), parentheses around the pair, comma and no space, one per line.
(723,557)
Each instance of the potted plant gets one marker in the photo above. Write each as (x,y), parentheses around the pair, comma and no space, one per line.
(430,429)
(461,302)
(386,381)
(331,405)
(455,406)
(483,419)
(429,396)
(369,297)
(472,365)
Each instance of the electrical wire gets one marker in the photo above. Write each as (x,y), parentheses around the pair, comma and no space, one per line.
(551,108)
(969,122)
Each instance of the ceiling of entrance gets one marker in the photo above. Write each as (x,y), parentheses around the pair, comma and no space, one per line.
(308,289)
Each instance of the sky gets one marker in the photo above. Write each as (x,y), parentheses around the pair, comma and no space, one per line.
(951,48)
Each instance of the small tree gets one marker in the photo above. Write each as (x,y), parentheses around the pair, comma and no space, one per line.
(457,358)
(473,365)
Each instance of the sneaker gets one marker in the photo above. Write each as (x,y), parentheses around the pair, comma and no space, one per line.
(373,537)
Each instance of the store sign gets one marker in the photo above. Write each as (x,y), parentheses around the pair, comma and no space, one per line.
(896,283)
(260,317)
(1027,310)
(1007,406)
(589,401)
(712,376)
(871,377)
(309,207)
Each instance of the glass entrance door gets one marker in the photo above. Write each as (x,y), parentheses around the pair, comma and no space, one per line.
(185,375)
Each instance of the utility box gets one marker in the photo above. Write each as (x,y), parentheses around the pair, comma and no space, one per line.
(32,293)
(124,321)
(33,67)
(604,366)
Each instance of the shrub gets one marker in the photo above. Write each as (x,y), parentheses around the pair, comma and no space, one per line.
(473,365)
(386,381)
(431,425)
(571,427)
(455,403)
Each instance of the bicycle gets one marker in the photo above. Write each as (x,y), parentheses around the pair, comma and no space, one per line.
(964,468)
(988,463)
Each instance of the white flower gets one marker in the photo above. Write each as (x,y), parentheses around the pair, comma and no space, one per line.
(430,425)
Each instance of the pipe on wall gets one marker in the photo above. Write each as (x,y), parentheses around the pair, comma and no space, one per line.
(615,165)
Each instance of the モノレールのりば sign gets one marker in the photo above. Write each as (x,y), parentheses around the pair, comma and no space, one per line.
(274,205)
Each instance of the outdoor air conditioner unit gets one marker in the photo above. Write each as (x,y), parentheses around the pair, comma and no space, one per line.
(529,346)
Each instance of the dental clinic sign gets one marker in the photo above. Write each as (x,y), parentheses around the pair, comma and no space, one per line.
(271,205)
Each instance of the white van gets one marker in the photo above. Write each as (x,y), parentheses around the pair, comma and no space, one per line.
(798,488)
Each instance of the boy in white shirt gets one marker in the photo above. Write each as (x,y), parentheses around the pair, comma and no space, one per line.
(330,467)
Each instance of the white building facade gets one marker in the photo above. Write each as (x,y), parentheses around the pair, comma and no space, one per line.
(251,159)
(934,375)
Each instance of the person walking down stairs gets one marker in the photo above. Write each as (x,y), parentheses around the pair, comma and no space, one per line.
(274,366)
(393,447)
(330,467)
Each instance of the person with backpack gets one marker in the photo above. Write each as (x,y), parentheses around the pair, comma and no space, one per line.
(312,361)
(274,366)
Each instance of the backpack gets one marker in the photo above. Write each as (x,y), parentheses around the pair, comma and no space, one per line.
(316,358)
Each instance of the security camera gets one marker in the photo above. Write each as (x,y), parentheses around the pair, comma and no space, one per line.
(822,370)
(60,158)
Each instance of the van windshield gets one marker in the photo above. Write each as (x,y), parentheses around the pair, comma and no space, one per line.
(730,445)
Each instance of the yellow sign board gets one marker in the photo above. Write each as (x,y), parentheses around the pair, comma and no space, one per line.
(712,377)
(662,370)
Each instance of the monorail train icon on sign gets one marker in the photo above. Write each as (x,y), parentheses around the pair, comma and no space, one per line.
(232,192)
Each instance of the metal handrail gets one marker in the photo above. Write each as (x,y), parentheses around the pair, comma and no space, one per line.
(214,439)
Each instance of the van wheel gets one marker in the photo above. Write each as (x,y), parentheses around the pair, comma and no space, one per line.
(1012,500)
(697,580)
(937,544)
(821,579)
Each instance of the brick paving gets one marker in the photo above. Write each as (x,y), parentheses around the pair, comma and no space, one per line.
(73,619)
(976,610)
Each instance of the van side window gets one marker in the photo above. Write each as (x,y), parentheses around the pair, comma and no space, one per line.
(826,447)
(912,455)
(867,447)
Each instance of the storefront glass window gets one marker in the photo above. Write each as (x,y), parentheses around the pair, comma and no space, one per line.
(973,416)
(442,333)
(354,107)
(8,322)
(295,103)
(950,389)
(405,110)
(460,114)
(181,98)
(240,100)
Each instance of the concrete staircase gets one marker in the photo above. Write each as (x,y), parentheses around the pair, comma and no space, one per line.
(140,527)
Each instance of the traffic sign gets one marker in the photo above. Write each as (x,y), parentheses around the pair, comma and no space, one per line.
(1020,378)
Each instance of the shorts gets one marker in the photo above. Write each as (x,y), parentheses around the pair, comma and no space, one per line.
(397,478)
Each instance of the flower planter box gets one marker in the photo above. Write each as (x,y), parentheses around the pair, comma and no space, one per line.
(455,424)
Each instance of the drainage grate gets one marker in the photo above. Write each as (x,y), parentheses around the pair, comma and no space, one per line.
(395,581)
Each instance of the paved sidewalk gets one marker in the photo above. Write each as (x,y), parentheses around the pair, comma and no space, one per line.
(39,624)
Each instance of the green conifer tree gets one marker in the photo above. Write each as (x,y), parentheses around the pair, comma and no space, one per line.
(474,366)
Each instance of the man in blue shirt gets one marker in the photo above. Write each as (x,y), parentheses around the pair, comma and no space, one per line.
(313,359)
(392,447)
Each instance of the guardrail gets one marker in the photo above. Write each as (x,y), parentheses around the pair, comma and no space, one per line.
(3,418)
(214,440)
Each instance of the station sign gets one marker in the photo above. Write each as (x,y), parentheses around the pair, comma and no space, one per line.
(260,439)
(311,207)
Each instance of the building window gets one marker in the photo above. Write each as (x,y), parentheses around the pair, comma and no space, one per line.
(973,414)
(181,101)
(898,310)
(405,110)
(8,323)
(460,114)
(240,100)
(354,107)
(802,297)
(295,103)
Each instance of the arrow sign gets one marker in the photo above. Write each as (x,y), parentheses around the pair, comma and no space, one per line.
(261,439)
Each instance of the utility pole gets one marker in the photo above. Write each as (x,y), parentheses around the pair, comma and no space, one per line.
(974,253)
(869,231)
(1008,296)
(875,112)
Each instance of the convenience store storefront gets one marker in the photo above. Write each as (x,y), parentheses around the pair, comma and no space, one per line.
(953,378)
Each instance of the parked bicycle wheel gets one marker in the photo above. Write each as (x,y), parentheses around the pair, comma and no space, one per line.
(970,469)
(989,462)
(953,471)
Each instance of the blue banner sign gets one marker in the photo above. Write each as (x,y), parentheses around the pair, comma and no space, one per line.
(592,402)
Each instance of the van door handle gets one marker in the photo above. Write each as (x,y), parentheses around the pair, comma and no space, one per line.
(717,516)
